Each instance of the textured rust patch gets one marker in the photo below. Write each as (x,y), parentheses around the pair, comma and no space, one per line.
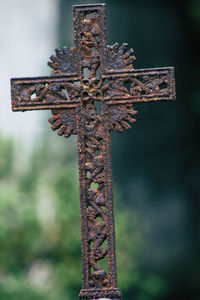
(92,91)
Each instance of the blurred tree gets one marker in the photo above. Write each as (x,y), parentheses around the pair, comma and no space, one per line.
(40,256)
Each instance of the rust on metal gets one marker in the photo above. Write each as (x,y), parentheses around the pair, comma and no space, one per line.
(83,77)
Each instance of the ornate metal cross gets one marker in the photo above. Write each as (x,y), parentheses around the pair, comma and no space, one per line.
(89,74)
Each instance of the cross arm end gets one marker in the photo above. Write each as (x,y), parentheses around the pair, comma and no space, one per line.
(38,93)
(141,85)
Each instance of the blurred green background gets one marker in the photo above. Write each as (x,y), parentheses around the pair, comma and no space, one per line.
(156,170)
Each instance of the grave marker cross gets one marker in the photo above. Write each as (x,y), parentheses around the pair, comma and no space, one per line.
(89,74)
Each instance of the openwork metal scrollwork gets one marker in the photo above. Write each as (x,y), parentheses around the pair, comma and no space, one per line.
(92,91)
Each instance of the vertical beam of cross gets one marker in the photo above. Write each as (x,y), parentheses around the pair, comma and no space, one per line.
(97,221)
(91,92)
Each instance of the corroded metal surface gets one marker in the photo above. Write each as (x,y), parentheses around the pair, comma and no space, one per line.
(83,77)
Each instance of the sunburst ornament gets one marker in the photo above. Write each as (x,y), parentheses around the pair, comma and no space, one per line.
(65,121)
(120,117)
(120,57)
(63,62)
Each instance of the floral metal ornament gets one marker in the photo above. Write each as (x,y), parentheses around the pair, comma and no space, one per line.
(91,92)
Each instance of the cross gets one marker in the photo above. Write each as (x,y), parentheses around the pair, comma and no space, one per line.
(91,92)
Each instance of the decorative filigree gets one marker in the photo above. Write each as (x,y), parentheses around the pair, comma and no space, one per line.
(120,116)
(29,92)
(84,77)
(119,57)
(147,86)
(63,62)
(90,47)
(89,294)
(94,167)
(115,88)
(65,121)
(44,93)
(141,87)
(91,89)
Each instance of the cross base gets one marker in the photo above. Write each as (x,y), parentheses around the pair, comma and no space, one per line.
(88,294)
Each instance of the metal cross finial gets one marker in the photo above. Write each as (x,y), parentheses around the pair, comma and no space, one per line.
(83,77)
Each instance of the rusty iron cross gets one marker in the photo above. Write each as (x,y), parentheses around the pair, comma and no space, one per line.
(89,74)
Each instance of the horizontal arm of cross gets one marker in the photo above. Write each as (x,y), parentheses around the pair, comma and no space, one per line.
(50,92)
(143,85)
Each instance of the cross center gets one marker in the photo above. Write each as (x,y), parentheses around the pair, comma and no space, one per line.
(91,89)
